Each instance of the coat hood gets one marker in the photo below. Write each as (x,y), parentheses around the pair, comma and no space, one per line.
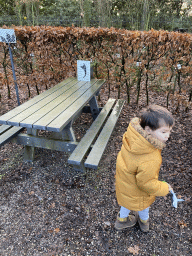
(137,141)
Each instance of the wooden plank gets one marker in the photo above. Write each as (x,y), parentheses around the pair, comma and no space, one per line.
(4,128)
(8,135)
(84,145)
(24,106)
(65,117)
(34,113)
(61,108)
(95,155)
(40,104)
(41,142)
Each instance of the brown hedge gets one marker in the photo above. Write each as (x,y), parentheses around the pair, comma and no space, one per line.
(126,59)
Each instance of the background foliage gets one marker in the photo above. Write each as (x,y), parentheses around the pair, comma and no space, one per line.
(130,61)
(129,14)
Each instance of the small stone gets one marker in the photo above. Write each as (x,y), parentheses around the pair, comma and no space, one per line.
(107,223)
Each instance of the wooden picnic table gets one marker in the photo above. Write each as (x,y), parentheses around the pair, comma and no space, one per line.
(54,111)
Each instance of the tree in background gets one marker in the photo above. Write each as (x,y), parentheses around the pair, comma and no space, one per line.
(7,7)
(147,14)
(129,14)
(27,10)
(104,10)
(85,7)
(169,12)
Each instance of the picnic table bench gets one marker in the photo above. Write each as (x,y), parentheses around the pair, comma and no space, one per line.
(7,132)
(55,111)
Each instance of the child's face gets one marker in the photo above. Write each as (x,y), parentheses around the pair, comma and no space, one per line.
(162,133)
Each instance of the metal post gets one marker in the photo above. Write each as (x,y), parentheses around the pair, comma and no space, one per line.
(14,76)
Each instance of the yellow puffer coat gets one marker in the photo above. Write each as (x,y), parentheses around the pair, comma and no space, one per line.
(137,169)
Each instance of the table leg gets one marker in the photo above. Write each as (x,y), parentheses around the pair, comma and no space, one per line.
(29,151)
(67,134)
(94,107)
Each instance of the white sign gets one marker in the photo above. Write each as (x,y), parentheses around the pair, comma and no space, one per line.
(7,36)
(83,70)
(179,66)
(138,64)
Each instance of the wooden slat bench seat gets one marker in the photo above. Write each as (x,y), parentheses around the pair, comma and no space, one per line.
(100,130)
(8,132)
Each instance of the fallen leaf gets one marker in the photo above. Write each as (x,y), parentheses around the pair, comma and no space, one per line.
(30,169)
(52,205)
(134,250)
(57,230)
(182,224)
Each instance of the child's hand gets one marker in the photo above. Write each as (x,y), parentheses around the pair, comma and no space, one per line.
(170,188)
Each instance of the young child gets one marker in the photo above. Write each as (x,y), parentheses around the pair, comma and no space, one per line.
(138,166)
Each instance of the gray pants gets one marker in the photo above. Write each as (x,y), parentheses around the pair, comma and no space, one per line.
(144,215)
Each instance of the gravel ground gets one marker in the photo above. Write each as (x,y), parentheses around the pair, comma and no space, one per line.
(47,208)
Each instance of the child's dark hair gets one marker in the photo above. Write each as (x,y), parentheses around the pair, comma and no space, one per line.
(153,115)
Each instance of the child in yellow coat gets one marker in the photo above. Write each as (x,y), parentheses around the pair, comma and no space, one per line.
(138,166)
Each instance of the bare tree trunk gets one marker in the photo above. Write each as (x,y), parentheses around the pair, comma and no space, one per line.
(144,20)
(104,12)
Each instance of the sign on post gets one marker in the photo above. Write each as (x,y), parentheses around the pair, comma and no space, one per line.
(84,70)
(8,36)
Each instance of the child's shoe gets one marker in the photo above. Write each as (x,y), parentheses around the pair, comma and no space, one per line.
(144,225)
(127,222)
